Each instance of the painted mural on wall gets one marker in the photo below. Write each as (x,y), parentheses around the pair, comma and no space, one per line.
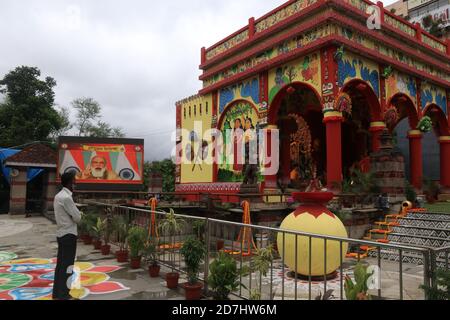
(242,115)
(390,52)
(352,67)
(248,90)
(401,83)
(433,94)
(305,70)
(286,47)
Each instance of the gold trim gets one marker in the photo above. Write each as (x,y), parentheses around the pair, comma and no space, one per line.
(444,138)
(330,114)
(377,124)
(272,127)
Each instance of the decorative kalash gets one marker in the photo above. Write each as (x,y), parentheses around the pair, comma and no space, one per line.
(312,216)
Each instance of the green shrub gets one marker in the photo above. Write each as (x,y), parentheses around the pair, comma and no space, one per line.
(136,241)
(193,251)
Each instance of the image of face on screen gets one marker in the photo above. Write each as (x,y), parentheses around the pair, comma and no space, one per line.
(97,169)
(95,163)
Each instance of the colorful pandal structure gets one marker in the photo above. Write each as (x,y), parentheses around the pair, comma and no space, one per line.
(384,229)
(245,235)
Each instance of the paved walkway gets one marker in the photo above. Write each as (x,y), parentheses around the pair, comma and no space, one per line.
(31,245)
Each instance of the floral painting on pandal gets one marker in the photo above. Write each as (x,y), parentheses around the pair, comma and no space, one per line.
(401,83)
(306,70)
(245,90)
(284,48)
(32,278)
(433,94)
(352,67)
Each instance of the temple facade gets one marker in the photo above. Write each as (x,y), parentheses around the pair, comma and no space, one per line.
(329,76)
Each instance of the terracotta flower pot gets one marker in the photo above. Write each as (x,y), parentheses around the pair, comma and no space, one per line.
(172,280)
(122,256)
(219,245)
(135,262)
(193,292)
(97,244)
(87,240)
(106,249)
(153,271)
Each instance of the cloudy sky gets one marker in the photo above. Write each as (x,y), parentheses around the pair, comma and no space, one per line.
(136,57)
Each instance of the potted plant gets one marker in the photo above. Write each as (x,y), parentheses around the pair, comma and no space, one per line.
(170,226)
(193,251)
(136,241)
(121,226)
(431,190)
(98,230)
(106,248)
(151,256)
(224,276)
(261,265)
(88,221)
(198,227)
(358,290)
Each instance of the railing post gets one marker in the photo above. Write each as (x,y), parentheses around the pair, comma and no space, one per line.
(426,270)
(206,267)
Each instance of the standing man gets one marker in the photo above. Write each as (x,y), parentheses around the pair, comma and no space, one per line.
(67,216)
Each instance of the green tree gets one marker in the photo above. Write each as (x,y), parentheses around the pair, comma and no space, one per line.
(167,170)
(27,113)
(89,123)
(88,110)
(435,27)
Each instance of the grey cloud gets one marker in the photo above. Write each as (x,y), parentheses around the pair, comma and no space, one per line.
(137,58)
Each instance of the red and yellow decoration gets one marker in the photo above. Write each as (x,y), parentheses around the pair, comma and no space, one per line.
(312,217)
(343,103)
(32,279)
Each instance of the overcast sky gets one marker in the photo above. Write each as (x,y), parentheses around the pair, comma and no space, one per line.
(135,57)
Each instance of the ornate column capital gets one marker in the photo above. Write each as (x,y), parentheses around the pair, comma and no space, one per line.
(332,116)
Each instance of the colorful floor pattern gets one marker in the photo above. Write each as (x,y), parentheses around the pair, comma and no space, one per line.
(32,278)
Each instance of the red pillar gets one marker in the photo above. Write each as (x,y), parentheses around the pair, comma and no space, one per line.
(270,181)
(333,122)
(376,128)
(415,156)
(444,142)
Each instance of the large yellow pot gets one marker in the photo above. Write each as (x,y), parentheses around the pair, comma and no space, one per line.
(312,217)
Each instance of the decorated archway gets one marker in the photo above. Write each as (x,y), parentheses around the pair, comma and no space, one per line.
(401,118)
(362,125)
(296,111)
(240,114)
(440,128)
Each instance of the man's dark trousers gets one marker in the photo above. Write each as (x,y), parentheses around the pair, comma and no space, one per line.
(67,247)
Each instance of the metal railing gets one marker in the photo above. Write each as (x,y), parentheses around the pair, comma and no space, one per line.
(280,283)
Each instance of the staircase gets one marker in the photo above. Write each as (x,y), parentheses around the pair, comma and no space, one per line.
(415,228)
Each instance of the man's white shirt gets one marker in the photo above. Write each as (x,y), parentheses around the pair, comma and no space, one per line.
(66,213)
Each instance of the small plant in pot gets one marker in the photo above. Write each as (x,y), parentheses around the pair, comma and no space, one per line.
(224,276)
(98,231)
(136,241)
(151,256)
(170,226)
(121,227)
(193,251)
(87,222)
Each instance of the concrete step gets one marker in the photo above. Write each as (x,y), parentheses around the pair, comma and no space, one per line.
(425,223)
(423,231)
(408,256)
(50,215)
(425,241)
